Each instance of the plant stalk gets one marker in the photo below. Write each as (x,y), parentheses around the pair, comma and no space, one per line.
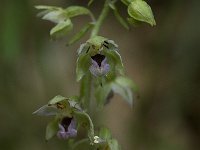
(86,83)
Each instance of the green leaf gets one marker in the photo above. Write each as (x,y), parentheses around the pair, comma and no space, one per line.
(85,121)
(80,34)
(114,57)
(56,16)
(51,129)
(47,7)
(74,11)
(127,2)
(126,82)
(124,86)
(119,17)
(63,104)
(105,133)
(133,22)
(113,145)
(61,29)
(90,2)
(101,94)
(82,66)
(141,11)
(57,99)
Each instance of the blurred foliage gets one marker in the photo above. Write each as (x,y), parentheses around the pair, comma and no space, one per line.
(164,62)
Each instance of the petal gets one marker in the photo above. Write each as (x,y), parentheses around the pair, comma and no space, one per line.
(94,70)
(61,128)
(62,135)
(105,69)
(72,133)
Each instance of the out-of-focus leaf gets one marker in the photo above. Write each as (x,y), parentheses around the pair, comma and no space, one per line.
(113,145)
(82,66)
(141,11)
(85,121)
(126,82)
(61,29)
(127,2)
(133,22)
(90,2)
(47,110)
(80,34)
(119,17)
(47,7)
(51,129)
(54,16)
(73,11)
(105,133)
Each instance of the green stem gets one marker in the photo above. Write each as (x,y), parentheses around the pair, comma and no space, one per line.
(85,88)
(101,18)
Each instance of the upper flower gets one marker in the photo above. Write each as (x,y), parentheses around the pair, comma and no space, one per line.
(95,54)
(67,128)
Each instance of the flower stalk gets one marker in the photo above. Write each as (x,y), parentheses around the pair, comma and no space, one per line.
(85,87)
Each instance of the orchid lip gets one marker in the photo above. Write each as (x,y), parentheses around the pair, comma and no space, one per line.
(99,66)
(67,128)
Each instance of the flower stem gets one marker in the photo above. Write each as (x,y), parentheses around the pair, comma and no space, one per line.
(86,82)
(101,18)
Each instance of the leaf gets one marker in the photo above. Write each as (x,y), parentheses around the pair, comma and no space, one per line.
(113,145)
(54,16)
(101,94)
(47,7)
(114,57)
(63,104)
(47,110)
(82,66)
(105,133)
(119,17)
(90,2)
(133,22)
(85,121)
(57,99)
(73,11)
(124,86)
(51,129)
(126,82)
(141,11)
(127,2)
(61,29)
(80,34)
(125,92)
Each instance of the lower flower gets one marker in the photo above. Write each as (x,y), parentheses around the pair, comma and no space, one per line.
(67,128)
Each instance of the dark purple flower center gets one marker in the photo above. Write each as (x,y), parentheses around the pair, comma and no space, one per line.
(98,58)
(65,122)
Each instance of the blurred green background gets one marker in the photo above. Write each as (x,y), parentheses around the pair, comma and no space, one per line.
(164,61)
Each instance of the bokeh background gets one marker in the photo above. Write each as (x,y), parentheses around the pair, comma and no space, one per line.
(164,61)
